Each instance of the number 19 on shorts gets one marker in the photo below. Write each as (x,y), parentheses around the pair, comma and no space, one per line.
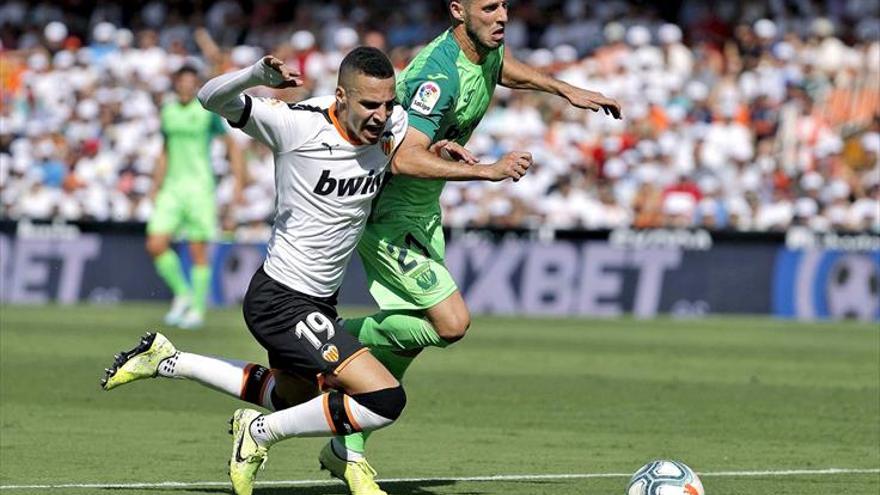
(315,323)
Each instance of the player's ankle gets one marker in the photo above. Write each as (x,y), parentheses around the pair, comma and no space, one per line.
(260,432)
(344,452)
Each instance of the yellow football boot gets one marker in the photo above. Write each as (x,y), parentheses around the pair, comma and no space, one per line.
(138,363)
(359,476)
(247,456)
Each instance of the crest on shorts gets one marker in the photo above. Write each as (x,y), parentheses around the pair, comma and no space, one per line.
(330,353)
(387,142)
(425,277)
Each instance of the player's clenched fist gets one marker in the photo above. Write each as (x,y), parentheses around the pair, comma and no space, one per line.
(513,165)
(290,78)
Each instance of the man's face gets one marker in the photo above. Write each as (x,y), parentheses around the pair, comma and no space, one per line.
(186,85)
(365,105)
(485,21)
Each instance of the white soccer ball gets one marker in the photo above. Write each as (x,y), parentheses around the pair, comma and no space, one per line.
(665,478)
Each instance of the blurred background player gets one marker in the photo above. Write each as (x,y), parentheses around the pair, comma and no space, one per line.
(184,198)
(447,89)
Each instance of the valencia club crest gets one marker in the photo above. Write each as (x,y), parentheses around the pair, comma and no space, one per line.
(387,142)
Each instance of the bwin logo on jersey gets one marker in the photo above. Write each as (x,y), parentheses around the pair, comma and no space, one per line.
(365,184)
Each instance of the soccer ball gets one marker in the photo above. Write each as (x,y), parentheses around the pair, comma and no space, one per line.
(665,478)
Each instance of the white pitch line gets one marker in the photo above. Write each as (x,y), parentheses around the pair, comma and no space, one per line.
(500,477)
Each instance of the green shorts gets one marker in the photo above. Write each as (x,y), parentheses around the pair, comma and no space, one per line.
(191,215)
(403,259)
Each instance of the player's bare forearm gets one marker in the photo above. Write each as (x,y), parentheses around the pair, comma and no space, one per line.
(223,94)
(417,157)
(236,165)
(208,47)
(517,75)
(414,160)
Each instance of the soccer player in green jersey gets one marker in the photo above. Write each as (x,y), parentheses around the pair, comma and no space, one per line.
(446,88)
(183,198)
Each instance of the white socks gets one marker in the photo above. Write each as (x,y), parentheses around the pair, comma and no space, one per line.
(314,419)
(320,416)
(224,375)
(304,420)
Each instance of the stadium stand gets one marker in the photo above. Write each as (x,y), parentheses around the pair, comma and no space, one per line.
(749,117)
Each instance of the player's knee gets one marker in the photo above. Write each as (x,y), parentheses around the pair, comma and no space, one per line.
(387,403)
(199,253)
(454,329)
(155,246)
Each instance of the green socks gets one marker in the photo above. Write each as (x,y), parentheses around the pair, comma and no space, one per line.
(201,283)
(395,363)
(397,330)
(385,332)
(168,266)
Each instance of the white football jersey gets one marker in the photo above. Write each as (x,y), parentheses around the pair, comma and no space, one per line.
(324,187)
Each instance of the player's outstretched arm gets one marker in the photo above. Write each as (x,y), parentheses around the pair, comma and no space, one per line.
(417,157)
(223,94)
(517,75)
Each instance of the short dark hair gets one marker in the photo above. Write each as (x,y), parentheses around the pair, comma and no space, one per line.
(368,61)
(186,69)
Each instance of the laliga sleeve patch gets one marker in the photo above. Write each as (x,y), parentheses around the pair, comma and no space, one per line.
(426,98)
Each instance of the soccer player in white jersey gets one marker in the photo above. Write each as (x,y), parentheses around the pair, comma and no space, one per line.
(331,156)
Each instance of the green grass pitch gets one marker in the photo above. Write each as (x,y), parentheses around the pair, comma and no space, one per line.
(517,397)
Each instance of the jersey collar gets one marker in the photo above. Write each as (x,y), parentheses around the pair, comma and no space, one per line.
(339,128)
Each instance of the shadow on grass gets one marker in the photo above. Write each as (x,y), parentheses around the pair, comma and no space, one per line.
(398,488)
(424,487)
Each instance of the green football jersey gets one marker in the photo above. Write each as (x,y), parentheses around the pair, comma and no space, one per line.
(446,96)
(188,130)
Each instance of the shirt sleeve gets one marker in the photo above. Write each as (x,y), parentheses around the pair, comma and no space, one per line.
(399,123)
(431,95)
(271,122)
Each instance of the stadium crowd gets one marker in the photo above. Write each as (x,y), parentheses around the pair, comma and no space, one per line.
(750,116)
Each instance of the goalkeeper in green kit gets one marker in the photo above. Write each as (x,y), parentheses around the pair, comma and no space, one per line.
(446,90)
(184,200)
